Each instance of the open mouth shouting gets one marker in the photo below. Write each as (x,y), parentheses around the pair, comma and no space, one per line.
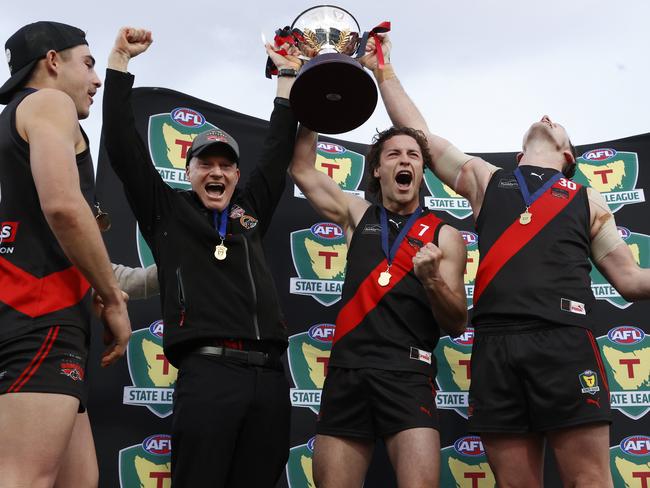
(404,179)
(215,190)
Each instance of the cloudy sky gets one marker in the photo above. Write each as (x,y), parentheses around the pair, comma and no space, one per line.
(480,71)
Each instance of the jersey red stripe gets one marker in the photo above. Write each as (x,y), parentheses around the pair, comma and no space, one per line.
(515,237)
(370,293)
(34,296)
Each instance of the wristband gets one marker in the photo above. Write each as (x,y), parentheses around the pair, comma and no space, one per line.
(289,72)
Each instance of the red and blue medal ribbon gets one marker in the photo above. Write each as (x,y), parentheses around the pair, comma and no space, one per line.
(523,188)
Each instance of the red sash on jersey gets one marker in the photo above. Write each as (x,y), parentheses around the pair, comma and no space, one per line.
(515,237)
(34,296)
(370,292)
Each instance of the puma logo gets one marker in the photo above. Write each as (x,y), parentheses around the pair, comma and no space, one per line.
(539,176)
(593,402)
(395,223)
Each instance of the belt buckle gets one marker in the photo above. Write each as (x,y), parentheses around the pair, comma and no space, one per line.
(257,358)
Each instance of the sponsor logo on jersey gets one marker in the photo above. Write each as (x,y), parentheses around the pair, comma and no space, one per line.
(8,231)
(299,466)
(453,356)
(613,173)
(464,464)
(471,267)
(630,462)
(152,375)
(147,464)
(572,306)
(639,245)
(308,356)
(341,164)
(319,257)
(444,198)
(247,222)
(626,356)
(420,355)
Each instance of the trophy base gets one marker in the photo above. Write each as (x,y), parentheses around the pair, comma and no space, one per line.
(333,94)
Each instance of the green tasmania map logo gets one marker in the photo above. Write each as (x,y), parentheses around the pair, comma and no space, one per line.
(626,354)
(152,375)
(464,464)
(453,358)
(319,256)
(341,164)
(308,355)
(630,462)
(147,465)
(639,244)
(444,198)
(613,173)
(299,473)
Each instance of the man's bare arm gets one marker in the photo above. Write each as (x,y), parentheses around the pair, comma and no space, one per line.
(441,270)
(465,174)
(48,119)
(612,256)
(321,191)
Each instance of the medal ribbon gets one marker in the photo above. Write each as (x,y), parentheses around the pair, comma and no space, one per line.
(223,222)
(383,219)
(528,198)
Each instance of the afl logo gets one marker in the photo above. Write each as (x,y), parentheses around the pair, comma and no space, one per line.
(310,444)
(157,328)
(469,237)
(626,334)
(624,233)
(326,230)
(637,445)
(322,332)
(187,117)
(330,147)
(599,154)
(470,445)
(465,339)
(158,444)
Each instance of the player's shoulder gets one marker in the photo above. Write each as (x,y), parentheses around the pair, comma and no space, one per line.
(48,102)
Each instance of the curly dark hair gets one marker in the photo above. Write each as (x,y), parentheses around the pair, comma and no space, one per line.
(378,141)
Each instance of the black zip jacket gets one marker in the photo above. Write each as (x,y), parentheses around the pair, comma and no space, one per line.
(203,298)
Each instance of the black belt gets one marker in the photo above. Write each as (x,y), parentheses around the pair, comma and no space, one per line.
(254,358)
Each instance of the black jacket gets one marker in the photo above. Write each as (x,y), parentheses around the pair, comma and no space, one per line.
(203,298)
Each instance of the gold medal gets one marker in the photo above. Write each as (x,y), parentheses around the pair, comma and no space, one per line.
(220,252)
(525,218)
(384,278)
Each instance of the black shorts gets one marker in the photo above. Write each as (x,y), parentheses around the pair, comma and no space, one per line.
(48,360)
(534,379)
(371,403)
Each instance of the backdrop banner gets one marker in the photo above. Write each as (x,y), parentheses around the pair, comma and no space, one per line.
(131,403)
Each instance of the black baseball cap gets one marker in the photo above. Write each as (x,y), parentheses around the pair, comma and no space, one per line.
(30,44)
(208,139)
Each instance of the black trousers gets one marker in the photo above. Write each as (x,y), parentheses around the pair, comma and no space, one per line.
(230,425)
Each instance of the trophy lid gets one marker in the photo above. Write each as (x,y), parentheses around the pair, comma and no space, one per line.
(328,28)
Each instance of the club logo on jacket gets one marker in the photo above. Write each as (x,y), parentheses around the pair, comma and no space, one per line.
(341,164)
(464,464)
(453,356)
(308,356)
(153,377)
(630,461)
(319,257)
(626,356)
(639,245)
(613,173)
(444,198)
(147,464)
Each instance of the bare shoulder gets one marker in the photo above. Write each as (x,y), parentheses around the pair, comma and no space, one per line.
(49,108)
(450,239)
(357,208)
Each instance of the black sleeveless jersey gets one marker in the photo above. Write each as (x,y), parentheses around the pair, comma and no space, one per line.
(389,327)
(38,284)
(540,271)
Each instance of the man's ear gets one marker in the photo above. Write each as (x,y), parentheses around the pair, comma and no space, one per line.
(519,156)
